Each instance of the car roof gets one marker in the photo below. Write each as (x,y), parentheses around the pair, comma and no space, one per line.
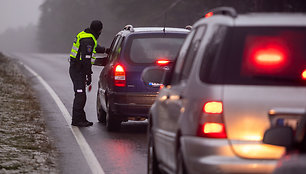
(139,30)
(275,19)
(258,19)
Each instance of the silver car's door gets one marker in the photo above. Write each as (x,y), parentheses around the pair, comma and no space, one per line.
(171,100)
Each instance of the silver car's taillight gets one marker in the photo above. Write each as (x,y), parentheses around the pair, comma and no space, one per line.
(211,121)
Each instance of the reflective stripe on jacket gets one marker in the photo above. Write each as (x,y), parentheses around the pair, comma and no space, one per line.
(76,44)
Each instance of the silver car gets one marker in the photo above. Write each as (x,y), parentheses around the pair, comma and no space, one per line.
(232,75)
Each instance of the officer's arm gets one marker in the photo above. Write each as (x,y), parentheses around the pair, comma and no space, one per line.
(86,49)
(100,49)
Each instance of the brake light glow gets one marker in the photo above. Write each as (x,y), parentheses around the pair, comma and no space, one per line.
(213,107)
(209,14)
(214,130)
(269,58)
(119,69)
(265,55)
(212,127)
(119,76)
(304,74)
(211,121)
(163,62)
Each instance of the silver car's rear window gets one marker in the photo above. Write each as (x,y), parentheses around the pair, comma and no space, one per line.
(256,56)
(147,48)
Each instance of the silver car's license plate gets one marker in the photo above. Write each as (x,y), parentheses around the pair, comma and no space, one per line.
(286,116)
(291,122)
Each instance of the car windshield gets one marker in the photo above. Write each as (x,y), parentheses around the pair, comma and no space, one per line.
(150,47)
(258,56)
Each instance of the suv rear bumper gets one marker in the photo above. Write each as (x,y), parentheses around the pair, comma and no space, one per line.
(216,156)
(130,105)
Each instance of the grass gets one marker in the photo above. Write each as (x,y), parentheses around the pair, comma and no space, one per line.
(24,144)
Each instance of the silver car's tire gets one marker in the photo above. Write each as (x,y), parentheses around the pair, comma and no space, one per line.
(101,114)
(152,164)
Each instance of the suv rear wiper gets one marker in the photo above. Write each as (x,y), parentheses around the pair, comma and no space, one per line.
(274,78)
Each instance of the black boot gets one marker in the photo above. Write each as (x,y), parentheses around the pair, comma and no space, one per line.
(82,124)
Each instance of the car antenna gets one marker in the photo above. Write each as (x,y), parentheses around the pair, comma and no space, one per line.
(164,30)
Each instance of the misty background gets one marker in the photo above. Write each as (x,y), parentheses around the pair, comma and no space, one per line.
(59,21)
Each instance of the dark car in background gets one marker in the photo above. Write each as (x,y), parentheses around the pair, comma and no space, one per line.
(122,96)
(232,72)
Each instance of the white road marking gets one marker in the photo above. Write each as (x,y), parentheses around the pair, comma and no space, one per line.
(91,159)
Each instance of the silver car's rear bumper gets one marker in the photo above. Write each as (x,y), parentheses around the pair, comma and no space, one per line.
(204,155)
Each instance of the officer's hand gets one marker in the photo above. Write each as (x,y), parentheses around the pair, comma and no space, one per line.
(89,88)
(88,80)
(108,50)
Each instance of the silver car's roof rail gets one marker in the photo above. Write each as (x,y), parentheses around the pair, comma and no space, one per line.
(129,28)
(188,27)
(228,11)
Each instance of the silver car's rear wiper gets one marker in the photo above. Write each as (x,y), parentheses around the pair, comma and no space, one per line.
(275,78)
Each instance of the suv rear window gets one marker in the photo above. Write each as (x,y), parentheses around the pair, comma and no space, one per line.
(147,48)
(257,56)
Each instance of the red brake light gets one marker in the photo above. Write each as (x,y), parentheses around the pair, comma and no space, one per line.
(119,76)
(210,14)
(211,122)
(214,130)
(269,58)
(163,62)
(213,107)
(265,55)
(119,69)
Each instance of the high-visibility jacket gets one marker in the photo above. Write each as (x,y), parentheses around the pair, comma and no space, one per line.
(76,45)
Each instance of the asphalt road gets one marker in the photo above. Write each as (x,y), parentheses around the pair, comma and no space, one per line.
(122,152)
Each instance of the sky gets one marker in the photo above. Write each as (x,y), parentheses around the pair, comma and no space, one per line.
(18,13)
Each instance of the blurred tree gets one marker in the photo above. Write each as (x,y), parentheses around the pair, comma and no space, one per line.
(22,39)
(61,20)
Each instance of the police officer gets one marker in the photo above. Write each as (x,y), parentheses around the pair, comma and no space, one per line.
(81,58)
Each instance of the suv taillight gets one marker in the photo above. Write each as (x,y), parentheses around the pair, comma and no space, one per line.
(209,14)
(211,122)
(119,76)
(162,62)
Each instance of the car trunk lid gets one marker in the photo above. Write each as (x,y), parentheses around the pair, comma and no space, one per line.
(246,115)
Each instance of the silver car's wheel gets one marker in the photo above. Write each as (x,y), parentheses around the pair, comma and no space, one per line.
(152,161)
(101,114)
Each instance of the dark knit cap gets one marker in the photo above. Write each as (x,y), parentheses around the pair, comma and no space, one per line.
(96,26)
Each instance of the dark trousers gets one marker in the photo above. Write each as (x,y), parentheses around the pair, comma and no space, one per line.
(78,80)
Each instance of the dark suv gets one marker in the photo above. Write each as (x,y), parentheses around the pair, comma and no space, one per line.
(122,96)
